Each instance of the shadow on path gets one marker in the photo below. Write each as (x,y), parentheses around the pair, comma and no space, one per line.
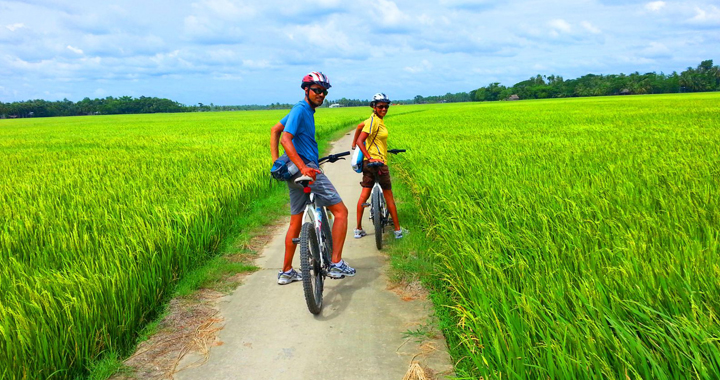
(338,297)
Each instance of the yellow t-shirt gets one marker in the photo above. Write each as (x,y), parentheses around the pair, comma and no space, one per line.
(376,142)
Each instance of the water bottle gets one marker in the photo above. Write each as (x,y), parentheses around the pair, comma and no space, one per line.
(292,169)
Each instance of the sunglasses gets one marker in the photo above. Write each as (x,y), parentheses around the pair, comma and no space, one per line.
(383,107)
(319,91)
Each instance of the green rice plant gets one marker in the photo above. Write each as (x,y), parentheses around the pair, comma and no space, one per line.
(101,216)
(575,238)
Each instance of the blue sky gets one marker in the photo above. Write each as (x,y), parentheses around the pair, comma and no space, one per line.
(230,52)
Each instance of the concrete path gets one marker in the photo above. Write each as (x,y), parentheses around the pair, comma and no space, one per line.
(269,333)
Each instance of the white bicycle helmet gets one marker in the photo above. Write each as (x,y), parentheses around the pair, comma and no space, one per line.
(315,77)
(379,98)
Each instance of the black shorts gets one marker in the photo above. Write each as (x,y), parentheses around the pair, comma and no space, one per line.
(369,174)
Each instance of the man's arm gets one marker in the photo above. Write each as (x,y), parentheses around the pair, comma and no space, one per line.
(286,141)
(357,134)
(275,133)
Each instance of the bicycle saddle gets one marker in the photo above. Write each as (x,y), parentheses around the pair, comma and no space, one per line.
(302,178)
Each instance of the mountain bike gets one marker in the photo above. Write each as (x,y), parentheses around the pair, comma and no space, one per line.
(379,212)
(315,240)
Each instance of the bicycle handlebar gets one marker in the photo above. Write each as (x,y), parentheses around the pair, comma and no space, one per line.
(377,163)
(333,157)
(305,180)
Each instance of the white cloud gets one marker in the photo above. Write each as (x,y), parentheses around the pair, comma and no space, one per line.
(195,25)
(655,6)
(389,15)
(466,4)
(328,36)
(560,25)
(425,20)
(227,77)
(166,58)
(225,9)
(425,65)
(14,27)
(707,16)
(75,50)
(590,27)
(256,64)
(223,55)
(656,50)
(208,30)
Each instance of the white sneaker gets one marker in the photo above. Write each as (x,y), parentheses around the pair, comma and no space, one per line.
(399,234)
(360,233)
(285,278)
(340,270)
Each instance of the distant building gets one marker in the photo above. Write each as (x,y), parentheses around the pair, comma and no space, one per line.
(513,97)
(334,105)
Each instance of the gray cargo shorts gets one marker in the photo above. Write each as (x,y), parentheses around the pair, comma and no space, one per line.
(325,193)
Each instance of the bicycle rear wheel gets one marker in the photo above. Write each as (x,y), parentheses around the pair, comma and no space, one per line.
(377,210)
(311,269)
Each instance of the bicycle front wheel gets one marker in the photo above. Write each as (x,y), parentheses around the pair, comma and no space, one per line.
(311,269)
(377,210)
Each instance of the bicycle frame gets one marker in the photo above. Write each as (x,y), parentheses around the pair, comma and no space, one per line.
(315,242)
(378,204)
(314,214)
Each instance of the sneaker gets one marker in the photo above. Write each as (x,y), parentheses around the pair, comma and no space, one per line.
(399,234)
(341,270)
(360,233)
(285,278)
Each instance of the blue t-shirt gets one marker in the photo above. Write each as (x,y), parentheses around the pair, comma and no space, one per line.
(300,123)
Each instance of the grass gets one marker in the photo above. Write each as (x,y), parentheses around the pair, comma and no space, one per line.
(569,238)
(102,216)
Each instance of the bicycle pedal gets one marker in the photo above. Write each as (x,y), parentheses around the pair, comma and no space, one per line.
(337,278)
(296,241)
(365,205)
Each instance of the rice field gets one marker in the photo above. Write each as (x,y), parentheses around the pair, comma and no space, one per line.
(572,239)
(100,216)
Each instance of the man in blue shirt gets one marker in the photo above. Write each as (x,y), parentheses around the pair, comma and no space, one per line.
(299,142)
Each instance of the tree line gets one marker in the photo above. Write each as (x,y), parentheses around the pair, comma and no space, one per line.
(705,77)
(114,106)
(447,98)
(87,106)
